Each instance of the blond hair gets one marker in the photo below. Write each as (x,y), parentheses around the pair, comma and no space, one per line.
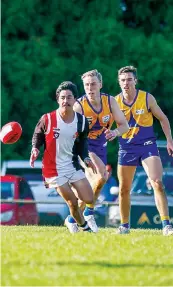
(92,73)
(128,69)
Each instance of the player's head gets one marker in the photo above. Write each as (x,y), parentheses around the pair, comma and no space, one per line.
(127,78)
(92,81)
(66,95)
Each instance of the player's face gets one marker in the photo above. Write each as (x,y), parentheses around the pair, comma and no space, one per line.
(92,87)
(127,82)
(66,100)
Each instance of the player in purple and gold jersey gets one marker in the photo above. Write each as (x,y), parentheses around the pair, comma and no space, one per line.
(99,120)
(101,110)
(138,146)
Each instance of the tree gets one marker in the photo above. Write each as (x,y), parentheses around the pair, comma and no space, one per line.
(47,42)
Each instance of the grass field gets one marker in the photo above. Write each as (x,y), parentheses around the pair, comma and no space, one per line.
(51,256)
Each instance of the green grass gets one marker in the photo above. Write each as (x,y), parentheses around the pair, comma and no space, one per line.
(51,256)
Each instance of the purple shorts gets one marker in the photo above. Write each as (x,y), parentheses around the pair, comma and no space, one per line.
(101,152)
(136,154)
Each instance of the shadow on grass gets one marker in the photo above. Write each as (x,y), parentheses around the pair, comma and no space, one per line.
(92,264)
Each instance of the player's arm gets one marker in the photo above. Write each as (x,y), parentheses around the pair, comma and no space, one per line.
(78,108)
(159,114)
(83,147)
(120,120)
(38,139)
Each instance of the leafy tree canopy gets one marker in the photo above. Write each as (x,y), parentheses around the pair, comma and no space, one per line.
(47,42)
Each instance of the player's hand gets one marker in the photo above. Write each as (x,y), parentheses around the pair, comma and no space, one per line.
(110,135)
(90,164)
(170,147)
(34,155)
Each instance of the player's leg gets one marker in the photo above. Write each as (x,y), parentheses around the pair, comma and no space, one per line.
(84,190)
(91,178)
(97,180)
(85,194)
(125,177)
(154,170)
(70,198)
(72,202)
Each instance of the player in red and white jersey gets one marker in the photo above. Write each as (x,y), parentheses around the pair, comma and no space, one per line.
(63,133)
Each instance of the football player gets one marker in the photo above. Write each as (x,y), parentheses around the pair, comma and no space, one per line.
(138,146)
(63,133)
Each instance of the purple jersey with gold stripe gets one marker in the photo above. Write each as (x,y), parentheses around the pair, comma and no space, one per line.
(98,120)
(140,120)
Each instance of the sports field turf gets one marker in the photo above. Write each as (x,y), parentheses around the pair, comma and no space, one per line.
(51,256)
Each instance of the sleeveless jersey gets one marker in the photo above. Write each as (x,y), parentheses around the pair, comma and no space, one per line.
(60,137)
(140,120)
(98,120)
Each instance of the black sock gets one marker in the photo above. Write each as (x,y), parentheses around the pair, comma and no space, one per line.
(85,226)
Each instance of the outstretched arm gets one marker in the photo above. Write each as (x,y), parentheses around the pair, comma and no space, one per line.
(159,114)
(38,140)
(120,120)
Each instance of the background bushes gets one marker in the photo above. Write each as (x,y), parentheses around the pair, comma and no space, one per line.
(46,42)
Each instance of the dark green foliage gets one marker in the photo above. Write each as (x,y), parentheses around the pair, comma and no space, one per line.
(47,42)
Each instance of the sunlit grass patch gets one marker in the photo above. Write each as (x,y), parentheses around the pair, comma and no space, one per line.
(51,256)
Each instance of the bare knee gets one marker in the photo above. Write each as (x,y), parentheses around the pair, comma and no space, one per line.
(73,204)
(90,198)
(124,190)
(157,184)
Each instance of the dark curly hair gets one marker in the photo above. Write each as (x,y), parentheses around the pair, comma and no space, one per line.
(67,86)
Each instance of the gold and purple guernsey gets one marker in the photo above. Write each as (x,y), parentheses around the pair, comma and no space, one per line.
(98,120)
(140,141)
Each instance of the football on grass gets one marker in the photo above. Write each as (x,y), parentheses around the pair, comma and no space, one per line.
(10,133)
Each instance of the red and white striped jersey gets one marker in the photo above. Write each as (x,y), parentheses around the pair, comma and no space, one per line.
(63,142)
